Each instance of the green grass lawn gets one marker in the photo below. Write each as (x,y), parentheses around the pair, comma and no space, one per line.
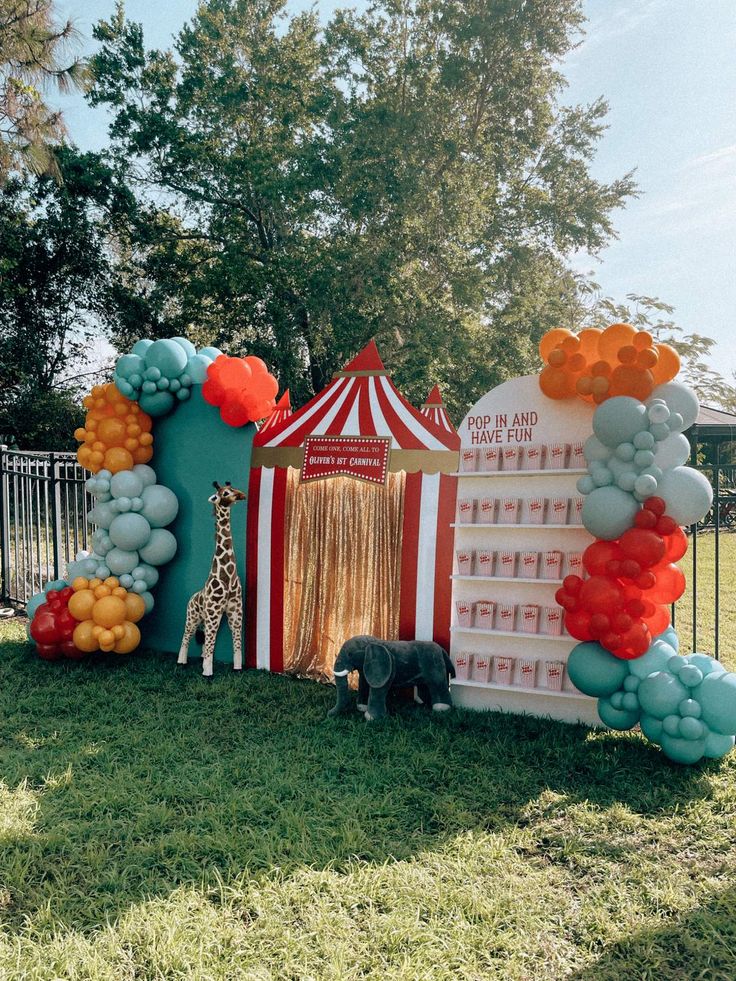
(153,825)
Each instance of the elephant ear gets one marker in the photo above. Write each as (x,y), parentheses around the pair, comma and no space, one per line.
(378,667)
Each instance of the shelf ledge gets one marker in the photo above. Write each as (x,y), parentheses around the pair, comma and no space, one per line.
(495,686)
(553,582)
(456,628)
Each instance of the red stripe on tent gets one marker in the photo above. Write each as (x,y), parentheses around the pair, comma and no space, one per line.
(335,427)
(443,560)
(402,434)
(409,556)
(296,437)
(365,415)
(278,514)
(251,566)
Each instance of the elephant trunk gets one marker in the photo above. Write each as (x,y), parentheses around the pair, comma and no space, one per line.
(343,691)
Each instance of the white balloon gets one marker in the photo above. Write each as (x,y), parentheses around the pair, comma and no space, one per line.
(672,451)
(679,398)
(687,494)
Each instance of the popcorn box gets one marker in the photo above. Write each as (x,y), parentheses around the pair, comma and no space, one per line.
(529,565)
(529,618)
(576,510)
(503,669)
(511,457)
(489,458)
(484,562)
(464,613)
(506,563)
(481,670)
(534,510)
(463,663)
(484,614)
(556,456)
(551,565)
(466,510)
(574,564)
(508,511)
(486,513)
(469,459)
(464,559)
(551,621)
(577,459)
(557,511)
(505,616)
(533,457)
(553,672)
(527,672)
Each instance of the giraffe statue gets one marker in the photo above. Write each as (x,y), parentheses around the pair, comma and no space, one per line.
(222,592)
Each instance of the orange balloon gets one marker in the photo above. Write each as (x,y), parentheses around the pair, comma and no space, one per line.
(632,381)
(108,611)
(627,354)
(642,340)
(557,357)
(81,603)
(117,459)
(135,607)
(647,358)
(584,386)
(556,383)
(613,338)
(130,640)
(667,365)
(111,431)
(143,454)
(84,637)
(589,340)
(552,339)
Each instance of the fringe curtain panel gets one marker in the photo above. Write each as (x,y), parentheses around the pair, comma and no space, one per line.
(342,567)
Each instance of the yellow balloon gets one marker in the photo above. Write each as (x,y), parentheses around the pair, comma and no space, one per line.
(84,637)
(81,604)
(135,607)
(80,583)
(109,611)
(130,640)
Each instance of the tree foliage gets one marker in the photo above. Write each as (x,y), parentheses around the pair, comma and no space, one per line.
(407,173)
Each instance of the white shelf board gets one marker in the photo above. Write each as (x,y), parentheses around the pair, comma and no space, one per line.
(495,686)
(456,629)
(553,582)
(517,473)
(477,524)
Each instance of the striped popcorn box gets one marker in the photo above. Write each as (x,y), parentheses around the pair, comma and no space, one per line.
(555,456)
(464,558)
(527,672)
(551,620)
(577,458)
(551,565)
(529,618)
(508,511)
(481,670)
(528,565)
(484,562)
(484,614)
(557,511)
(553,672)
(511,457)
(489,458)
(576,510)
(463,662)
(505,616)
(469,459)
(503,669)
(466,509)
(533,457)
(534,508)
(506,563)
(464,613)
(486,514)
(574,564)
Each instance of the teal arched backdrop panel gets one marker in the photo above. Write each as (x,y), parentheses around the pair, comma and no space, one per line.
(192,447)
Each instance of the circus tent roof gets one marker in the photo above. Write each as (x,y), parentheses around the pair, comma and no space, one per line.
(281,411)
(434,409)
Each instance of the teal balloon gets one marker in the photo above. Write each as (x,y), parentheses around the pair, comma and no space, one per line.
(34,602)
(152,374)
(148,600)
(655,659)
(690,728)
(101,542)
(609,511)
(147,474)
(183,394)
(80,567)
(717,745)
(625,452)
(129,364)
(690,675)
(644,441)
(156,403)
(160,505)
(136,504)
(669,636)
(660,694)
(123,504)
(141,347)
(673,451)
(102,515)
(627,481)
(630,701)
(197,368)
(645,486)
(671,725)
(690,708)
(102,571)
(189,349)
(124,387)
(126,581)
(706,663)
(130,531)
(126,483)
(618,420)
(146,573)
(682,750)
(594,671)
(717,697)
(651,727)
(210,352)
(687,494)
(120,561)
(631,683)
(617,699)
(585,484)
(617,718)
(149,388)
(160,548)
(680,399)
(163,384)
(168,356)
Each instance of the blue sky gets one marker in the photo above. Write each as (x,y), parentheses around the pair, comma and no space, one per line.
(668,70)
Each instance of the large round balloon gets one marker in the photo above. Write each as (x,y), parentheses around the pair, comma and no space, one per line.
(130,532)
(619,419)
(160,505)
(673,451)
(161,547)
(717,696)
(679,398)
(594,671)
(687,494)
(682,750)
(660,694)
(609,511)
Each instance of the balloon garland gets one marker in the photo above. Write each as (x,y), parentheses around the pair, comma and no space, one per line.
(638,495)
(108,590)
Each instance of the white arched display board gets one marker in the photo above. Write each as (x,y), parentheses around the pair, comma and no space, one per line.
(517,428)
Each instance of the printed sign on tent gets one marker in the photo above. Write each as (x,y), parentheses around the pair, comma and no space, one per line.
(362,457)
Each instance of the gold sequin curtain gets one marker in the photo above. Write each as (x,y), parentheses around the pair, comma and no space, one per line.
(342,567)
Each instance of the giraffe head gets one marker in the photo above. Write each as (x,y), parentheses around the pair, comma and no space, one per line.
(226,496)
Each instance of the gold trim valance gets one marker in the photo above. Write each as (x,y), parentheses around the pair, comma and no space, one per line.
(412,461)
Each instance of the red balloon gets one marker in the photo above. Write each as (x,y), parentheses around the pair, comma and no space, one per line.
(675,545)
(597,556)
(599,624)
(643,545)
(656,505)
(659,621)
(645,519)
(43,626)
(666,525)
(670,584)
(572,584)
(49,652)
(601,594)
(577,623)
(71,651)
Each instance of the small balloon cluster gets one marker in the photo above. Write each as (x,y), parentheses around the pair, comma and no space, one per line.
(106,615)
(52,625)
(116,433)
(596,365)
(159,374)
(687,705)
(241,388)
(624,601)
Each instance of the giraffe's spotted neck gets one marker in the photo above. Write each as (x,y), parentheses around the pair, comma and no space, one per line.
(223,538)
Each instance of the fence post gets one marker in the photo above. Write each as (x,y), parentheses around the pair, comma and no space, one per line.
(4,529)
(55,514)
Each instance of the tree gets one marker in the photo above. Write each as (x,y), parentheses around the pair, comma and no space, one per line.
(33,54)
(407,173)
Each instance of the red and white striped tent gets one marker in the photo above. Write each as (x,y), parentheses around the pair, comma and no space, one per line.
(434,409)
(281,411)
(361,400)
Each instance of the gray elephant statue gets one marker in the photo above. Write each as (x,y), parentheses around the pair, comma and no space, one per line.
(383,664)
